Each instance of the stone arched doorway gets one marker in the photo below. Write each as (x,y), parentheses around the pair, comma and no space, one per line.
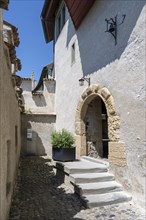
(90,96)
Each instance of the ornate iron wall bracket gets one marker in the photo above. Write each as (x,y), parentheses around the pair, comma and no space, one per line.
(112,26)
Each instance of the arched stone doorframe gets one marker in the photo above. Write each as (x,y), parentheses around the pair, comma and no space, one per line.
(116,149)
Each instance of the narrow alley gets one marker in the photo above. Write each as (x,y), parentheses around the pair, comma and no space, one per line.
(72,98)
(39,195)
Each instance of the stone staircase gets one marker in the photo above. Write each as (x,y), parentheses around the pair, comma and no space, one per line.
(93,183)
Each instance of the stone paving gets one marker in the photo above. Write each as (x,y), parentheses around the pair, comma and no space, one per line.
(39,195)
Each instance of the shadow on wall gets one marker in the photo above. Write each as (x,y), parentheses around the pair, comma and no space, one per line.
(39,100)
(100,46)
(36,131)
(36,148)
(51,88)
(34,143)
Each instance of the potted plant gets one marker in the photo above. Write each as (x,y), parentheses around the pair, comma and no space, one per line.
(62,146)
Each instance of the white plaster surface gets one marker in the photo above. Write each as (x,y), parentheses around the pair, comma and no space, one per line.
(120,68)
(42,127)
(43,102)
(40,117)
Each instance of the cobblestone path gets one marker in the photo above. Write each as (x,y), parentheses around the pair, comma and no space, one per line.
(39,195)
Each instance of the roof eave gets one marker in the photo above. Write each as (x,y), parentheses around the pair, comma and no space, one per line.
(48,18)
(44,30)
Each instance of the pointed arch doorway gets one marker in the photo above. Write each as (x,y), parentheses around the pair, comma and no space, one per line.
(96,123)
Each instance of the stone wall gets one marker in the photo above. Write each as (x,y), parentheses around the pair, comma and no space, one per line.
(39,118)
(120,69)
(10,125)
(36,131)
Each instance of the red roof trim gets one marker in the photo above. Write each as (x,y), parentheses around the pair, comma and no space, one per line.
(78,9)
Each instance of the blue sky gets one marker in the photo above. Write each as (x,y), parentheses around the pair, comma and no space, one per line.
(33,50)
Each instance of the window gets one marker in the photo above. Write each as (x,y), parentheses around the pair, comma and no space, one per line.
(63,15)
(73,53)
(60,20)
(8,180)
(50,71)
(59,25)
(16,137)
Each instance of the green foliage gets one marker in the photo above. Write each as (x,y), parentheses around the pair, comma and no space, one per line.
(62,139)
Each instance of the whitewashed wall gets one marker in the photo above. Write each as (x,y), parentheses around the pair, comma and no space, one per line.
(43,101)
(40,127)
(120,68)
(39,117)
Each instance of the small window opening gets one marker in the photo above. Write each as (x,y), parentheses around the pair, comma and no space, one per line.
(63,16)
(16,136)
(8,180)
(73,53)
(59,25)
(60,20)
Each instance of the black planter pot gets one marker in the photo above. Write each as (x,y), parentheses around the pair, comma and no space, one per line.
(63,154)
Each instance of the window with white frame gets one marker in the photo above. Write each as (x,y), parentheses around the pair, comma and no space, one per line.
(60,19)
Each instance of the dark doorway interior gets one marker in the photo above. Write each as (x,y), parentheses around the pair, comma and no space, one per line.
(96,129)
(104,130)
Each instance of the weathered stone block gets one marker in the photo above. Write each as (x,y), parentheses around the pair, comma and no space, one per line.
(88,91)
(79,107)
(78,145)
(84,95)
(110,105)
(105,93)
(114,122)
(79,128)
(98,88)
(114,126)
(77,116)
(117,154)
(114,135)
(83,145)
(118,162)
(95,88)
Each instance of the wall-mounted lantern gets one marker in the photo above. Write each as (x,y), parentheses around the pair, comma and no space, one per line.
(112,26)
(81,81)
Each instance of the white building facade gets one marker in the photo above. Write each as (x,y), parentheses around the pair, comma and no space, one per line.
(109,110)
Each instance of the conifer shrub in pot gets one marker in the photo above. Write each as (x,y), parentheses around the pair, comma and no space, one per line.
(63,146)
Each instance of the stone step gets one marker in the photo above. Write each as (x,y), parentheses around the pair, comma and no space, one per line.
(95,160)
(97,188)
(77,167)
(91,201)
(91,177)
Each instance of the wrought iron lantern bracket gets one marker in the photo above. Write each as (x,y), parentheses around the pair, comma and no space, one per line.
(112,26)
